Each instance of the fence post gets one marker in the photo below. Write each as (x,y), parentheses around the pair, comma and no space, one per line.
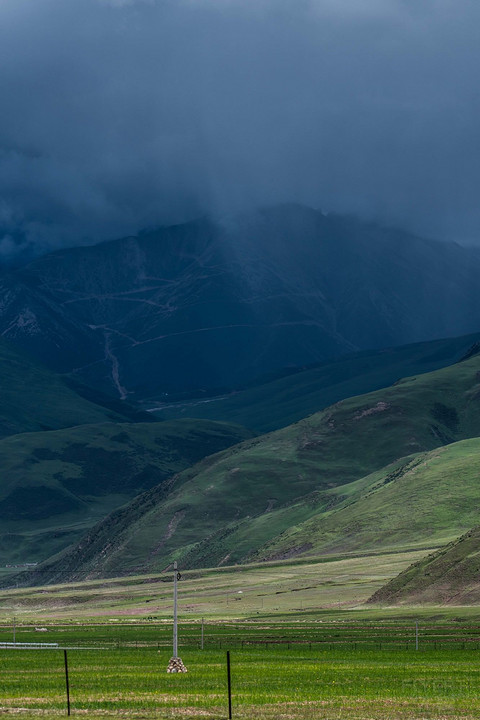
(229,687)
(66,681)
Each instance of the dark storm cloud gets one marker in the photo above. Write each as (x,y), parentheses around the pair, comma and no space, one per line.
(122,114)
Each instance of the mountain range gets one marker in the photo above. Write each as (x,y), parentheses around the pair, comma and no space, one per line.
(207,306)
(285,321)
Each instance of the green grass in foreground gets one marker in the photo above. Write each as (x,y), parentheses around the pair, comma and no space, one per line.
(279,683)
(303,646)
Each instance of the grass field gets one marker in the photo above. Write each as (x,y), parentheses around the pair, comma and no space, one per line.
(277,589)
(276,682)
(303,646)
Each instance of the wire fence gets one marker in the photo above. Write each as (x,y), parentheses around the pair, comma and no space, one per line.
(225,635)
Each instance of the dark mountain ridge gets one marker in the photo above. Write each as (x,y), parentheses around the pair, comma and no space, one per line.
(283,401)
(203,305)
(34,398)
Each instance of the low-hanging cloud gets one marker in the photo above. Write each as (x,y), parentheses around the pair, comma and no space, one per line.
(124,114)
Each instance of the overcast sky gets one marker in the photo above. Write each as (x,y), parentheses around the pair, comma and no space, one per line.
(122,114)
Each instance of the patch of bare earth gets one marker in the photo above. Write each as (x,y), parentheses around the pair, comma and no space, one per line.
(378,408)
(172,526)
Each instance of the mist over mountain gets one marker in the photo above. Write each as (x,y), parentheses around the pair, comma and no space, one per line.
(201,307)
(123,114)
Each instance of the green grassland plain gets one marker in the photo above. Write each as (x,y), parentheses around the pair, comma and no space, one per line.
(295,683)
(277,589)
(303,645)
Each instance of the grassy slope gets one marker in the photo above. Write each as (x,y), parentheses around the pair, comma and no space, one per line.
(56,484)
(230,505)
(286,400)
(450,575)
(394,507)
(34,398)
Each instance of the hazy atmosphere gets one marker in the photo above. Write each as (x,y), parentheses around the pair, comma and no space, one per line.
(122,115)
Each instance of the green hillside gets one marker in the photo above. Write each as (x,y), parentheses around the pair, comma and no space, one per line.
(228,507)
(283,401)
(449,576)
(34,398)
(412,502)
(55,485)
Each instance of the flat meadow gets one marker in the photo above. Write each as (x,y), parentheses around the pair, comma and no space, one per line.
(274,682)
(301,640)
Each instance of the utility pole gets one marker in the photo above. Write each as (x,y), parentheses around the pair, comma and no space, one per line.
(175,616)
(175,665)
(14,630)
